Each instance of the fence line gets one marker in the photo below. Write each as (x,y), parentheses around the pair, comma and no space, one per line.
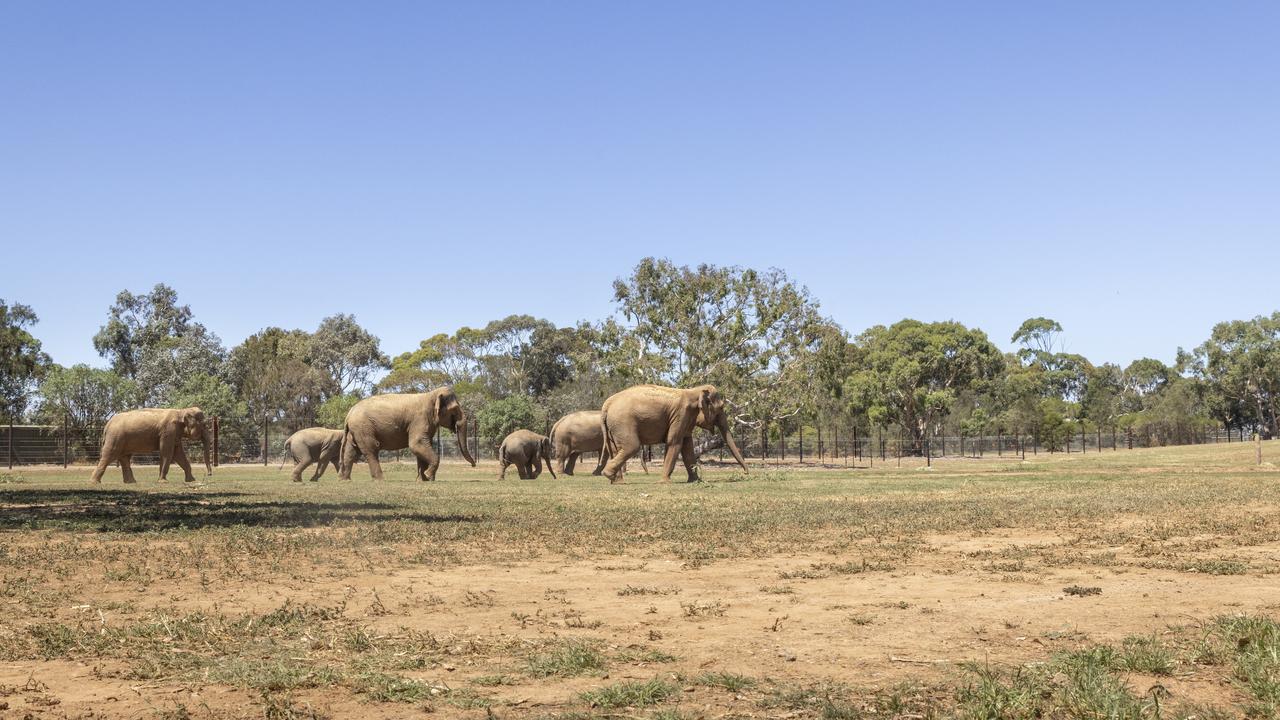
(242,440)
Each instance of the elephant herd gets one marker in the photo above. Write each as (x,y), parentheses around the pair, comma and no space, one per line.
(627,421)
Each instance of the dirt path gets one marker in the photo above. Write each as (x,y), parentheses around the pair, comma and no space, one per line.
(790,618)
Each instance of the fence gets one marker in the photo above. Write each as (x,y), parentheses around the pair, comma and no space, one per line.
(243,440)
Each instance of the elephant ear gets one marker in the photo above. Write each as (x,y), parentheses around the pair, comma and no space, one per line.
(438,407)
(708,396)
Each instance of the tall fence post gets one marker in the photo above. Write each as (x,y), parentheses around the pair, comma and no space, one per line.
(215,441)
(1257,441)
(10,442)
(801,443)
(266,430)
(65,454)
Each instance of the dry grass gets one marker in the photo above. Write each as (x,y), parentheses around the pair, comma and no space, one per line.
(215,584)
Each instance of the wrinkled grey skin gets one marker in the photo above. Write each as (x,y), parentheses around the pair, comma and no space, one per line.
(650,414)
(317,445)
(153,430)
(577,433)
(526,450)
(403,420)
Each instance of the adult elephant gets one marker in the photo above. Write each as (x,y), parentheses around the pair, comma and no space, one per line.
(313,445)
(649,414)
(526,450)
(153,430)
(399,421)
(577,433)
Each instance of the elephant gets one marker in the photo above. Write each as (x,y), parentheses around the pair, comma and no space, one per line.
(648,414)
(313,445)
(526,450)
(402,420)
(576,433)
(152,430)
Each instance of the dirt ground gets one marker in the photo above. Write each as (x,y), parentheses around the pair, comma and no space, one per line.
(772,631)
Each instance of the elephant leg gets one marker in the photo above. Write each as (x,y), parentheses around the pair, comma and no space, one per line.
(108,453)
(375,467)
(126,469)
(535,468)
(429,461)
(567,467)
(302,464)
(166,458)
(669,460)
(180,456)
(690,460)
(502,471)
(625,444)
(320,468)
(603,458)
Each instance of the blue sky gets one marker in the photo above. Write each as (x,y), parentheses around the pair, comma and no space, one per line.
(1115,166)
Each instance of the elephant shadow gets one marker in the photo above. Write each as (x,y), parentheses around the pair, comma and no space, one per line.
(108,510)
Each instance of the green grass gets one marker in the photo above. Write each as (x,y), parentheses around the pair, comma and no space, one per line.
(569,658)
(630,694)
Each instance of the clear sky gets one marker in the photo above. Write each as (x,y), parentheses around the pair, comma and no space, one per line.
(1113,165)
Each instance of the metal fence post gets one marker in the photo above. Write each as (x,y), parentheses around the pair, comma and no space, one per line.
(64,439)
(266,430)
(801,443)
(10,442)
(215,441)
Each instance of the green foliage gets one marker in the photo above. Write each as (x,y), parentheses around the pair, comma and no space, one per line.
(274,375)
(1240,364)
(499,418)
(22,361)
(332,413)
(87,397)
(910,373)
(753,334)
(347,352)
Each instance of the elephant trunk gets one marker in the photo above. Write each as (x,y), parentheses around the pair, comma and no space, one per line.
(550,468)
(460,430)
(733,447)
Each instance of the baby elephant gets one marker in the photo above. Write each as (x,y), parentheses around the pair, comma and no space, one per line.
(313,445)
(526,450)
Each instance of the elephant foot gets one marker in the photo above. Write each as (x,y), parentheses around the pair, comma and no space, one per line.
(127,481)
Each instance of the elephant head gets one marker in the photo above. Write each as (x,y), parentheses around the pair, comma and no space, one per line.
(448,413)
(712,416)
(545,448)
(192,425)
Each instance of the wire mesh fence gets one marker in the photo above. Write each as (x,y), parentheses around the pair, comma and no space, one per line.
(261,441)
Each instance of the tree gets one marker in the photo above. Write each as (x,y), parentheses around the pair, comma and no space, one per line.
(167,363)
(1038,335)
(22,361)
(87,397)
(272,373)
(332,413)
(499,418)
(347,352)
(1241,360)
(138,322)
(750,333)
(152,339)
(910,372)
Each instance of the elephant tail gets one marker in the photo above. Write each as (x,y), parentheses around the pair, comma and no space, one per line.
(286,455)
(552,436)
(610,446)
(502,453)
